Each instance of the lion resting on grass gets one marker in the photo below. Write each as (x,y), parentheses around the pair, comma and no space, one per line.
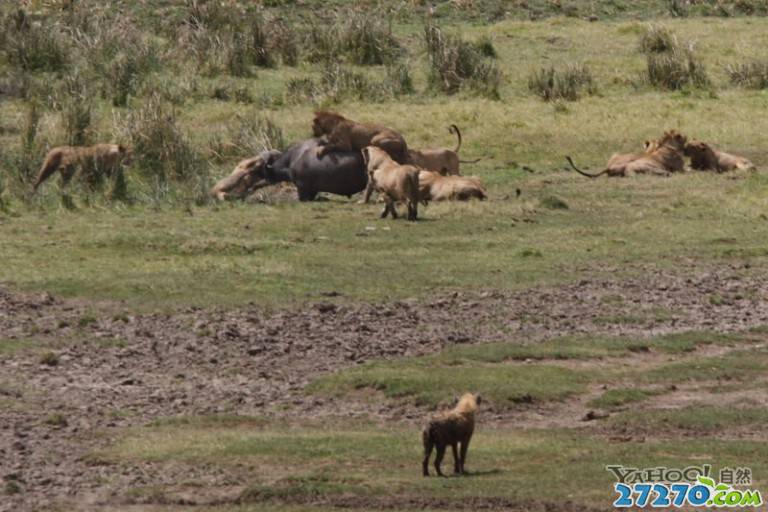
(661,158)
(451,428)
(706,158)
(343,134)
(433,186)
(93,161)
(442,160)
(394,182)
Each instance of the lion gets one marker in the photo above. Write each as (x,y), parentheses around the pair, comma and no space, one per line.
(394,182)
(706,158)
(433,186)
(451,428)
(247,177)
(93,161)
(442,160)
(661,158)
(343,134)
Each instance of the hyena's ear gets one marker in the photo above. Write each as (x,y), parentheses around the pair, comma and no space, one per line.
(455,400)
(366,157)
(478,399)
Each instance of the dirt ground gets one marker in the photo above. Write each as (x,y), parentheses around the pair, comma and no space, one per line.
(116,370)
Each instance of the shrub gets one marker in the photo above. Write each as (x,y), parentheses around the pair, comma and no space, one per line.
(76,104)
(753,75)
(323,42)
(678,8)
(669,64)
(486,48)
(658,39)
(677,69)
(301,90)
(161,152)
(567,84)
(30,46)
(367,41)
(455,63)
(399,80)
(286,43)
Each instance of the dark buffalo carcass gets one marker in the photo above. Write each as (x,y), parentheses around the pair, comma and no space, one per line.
(339,172)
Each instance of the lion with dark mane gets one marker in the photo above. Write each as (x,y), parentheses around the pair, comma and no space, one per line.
(342,134)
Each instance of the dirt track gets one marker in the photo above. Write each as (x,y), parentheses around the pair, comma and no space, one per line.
(117,371)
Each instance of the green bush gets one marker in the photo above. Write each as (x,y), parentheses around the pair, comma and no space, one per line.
(33,47)
(456,64)
(568,84)
(753,75)
(677,69)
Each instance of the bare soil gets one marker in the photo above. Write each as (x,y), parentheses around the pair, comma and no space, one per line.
(115,370)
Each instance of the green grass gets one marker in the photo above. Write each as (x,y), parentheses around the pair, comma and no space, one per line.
(585,347)
(492,370)
(693,419)
(311,459)
(156,255)
(425,381)
(615,398)
(737,366)
(12,346)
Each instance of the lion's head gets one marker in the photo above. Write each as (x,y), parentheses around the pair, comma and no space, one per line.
(325,122)
(674,140)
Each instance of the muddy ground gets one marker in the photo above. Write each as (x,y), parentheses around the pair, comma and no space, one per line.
(115,370)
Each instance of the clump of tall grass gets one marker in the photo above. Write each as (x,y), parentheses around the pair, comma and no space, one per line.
(677,69)
(363,39)
(670,64)
(368,41)
(339,83)
(657,39)
(248,134)
(553,84)
(456,64)
(753,75)
(399,80)
(75,103)
(33,46)
(162,153)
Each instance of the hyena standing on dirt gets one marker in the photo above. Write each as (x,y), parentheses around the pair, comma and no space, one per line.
(451,428)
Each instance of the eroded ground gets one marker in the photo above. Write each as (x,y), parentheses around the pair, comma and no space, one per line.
(76,379)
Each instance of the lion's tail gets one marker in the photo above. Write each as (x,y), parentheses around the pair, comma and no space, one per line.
(570,161)
(455,130)
(51,163)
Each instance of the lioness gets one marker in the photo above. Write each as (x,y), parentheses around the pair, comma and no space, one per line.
(706,158)
(450,428)
(442,160)
(394,182)
(433,186)
(100,159)
(343,134)
(665,158)
(248,176)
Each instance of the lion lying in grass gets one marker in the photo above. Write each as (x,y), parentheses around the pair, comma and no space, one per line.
(706,158)
(433,186)
(661,158)
(451,428)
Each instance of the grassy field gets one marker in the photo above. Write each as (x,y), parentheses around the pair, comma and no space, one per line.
(164,246)
(301,460)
